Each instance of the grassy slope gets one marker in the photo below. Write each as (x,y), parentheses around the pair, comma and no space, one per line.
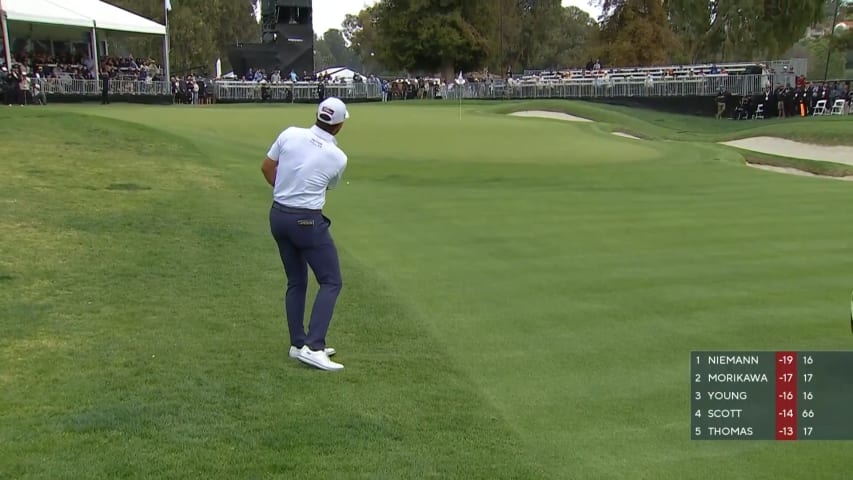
(648,124)
(827,169)
(836,130)
(542,284)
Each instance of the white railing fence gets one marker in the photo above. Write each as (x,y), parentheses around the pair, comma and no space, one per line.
(292,91)
(78,87)
(617,87)
(232,91)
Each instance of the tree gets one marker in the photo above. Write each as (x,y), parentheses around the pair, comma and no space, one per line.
(508,47)
(843,40)
(360,32)
(330,50)
(322,55)
(434,35)
(817,60)
(540,23)
(575,37)
(719,30)
(342,54)
(538,34)
(635,33)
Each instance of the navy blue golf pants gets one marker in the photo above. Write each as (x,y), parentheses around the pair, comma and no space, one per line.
(304,240)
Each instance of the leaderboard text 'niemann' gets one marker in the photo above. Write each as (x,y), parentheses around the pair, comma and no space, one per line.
(771,395)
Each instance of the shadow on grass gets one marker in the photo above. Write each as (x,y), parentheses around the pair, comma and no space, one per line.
(814,167)
(129,187)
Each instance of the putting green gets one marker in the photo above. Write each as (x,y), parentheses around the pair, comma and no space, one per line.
(520,295)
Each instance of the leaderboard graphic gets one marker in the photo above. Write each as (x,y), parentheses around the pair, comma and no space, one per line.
(771,395)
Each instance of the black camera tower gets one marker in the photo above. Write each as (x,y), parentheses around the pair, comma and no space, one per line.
(287,40)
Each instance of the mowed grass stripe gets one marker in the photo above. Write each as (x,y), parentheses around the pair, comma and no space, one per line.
(160,347)
(582,301)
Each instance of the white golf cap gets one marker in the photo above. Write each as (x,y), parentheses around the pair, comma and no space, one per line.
(332,111)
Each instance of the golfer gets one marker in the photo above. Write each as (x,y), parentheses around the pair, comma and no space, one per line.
(300,166)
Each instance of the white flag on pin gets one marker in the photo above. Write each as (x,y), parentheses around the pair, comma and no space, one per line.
(460,80)
(168,5)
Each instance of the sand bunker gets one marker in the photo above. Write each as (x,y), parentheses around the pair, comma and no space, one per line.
(550,115)
(626,135)
(788,148)
(794,171)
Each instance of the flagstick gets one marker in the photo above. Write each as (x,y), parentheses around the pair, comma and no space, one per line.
(459,82)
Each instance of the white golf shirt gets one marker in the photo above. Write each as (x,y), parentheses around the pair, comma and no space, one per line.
(309,163)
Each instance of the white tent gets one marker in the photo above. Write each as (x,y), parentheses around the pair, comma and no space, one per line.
(109,17)
(338,73)
(91,15)
(79,13)
(43,11)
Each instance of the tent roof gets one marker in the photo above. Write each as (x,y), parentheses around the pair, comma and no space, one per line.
(338,72)
(43,11)
(110,17)
(80,13)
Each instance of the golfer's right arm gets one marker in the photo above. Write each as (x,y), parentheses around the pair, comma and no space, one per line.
(270,163)
(334,181)
(269,167)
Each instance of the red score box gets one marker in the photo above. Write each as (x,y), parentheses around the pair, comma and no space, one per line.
(786,395)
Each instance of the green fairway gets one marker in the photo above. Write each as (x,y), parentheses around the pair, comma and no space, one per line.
(520,295)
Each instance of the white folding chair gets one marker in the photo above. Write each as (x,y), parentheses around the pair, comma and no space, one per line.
(838,107)
(820,108)
(759,111)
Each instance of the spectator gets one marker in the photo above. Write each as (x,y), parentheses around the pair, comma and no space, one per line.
(176,90)
(16,78)
(5,86)
(105,85)
(195,90)
(722,99)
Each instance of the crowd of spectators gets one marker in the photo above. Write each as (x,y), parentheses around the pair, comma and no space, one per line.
(129,68)
(17,87)
(30,76)
(191,90)
(802,99)
(259,75)
(82,67)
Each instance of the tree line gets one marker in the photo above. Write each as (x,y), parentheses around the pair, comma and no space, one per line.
(450,35)
(446,36)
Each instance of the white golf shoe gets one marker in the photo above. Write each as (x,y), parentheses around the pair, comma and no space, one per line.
(318,359)
(294,352)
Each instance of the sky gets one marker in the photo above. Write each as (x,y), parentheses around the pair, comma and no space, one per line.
(330,13)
